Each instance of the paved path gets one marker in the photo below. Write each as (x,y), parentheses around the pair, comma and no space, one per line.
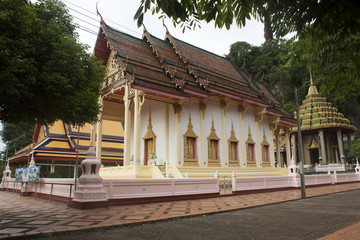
(28,217)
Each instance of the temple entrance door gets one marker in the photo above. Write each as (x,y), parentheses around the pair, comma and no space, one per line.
(314,155)
(148,150)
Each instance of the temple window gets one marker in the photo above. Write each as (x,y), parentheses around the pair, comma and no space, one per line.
(149,142)
(250,151)
(233,149)
(190,141)
(213,148)
(190,148)
(265,152)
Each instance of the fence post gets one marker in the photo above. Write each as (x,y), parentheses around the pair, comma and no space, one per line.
(70,193)
(233,181)
(35,189)
(51,191)
(224,184)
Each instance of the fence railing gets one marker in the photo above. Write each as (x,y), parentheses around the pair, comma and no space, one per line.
(24,187)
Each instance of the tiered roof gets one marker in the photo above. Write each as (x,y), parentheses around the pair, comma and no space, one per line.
(316,113)
(176,70)
(59,141)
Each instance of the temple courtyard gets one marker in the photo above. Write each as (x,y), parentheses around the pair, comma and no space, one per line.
(328,212)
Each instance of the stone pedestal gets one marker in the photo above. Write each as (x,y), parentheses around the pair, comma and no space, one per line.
(357,168)
(294,172)
(90,192)
(6,176)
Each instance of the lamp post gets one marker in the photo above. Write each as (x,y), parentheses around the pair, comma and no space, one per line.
(302,177)
(77,158)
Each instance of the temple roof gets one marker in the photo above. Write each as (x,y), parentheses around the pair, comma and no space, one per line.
(59,141)
(316,113)
(182,71)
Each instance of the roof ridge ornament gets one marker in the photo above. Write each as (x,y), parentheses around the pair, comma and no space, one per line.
(167,30)
(98,13)
(312,89)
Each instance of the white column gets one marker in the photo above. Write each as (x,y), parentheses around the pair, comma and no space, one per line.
(52,168)
(258,144)
(242,140)
(277,148)
(136,130)
(322,145)
(294,147)
(271,150)
(287,146)
(166,130)
(224,150)
(177,140)
(202,140)
(127,127)
(99,131)
(340,145)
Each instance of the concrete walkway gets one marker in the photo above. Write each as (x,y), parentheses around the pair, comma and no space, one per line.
(25,217)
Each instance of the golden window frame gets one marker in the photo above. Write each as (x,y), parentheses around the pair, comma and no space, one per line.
(190,134)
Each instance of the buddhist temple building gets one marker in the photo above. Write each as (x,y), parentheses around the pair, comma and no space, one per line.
(189,109)
(54,147)
(322,129)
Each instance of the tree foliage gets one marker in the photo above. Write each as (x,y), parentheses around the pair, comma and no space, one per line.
(16,136)
(327,31)
(285,16)
(335,61)
(45,74)
(267,63)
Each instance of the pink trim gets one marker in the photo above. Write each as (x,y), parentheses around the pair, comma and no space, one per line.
(158,92)
(269,112)
(198,94)
(282,121)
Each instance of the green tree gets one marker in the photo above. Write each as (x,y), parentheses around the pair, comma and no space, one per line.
(283,16)
(267,64)
(334,60)
(16,136)
(45,73)
(329,30)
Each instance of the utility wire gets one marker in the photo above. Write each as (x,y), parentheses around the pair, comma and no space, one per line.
(108,20)
(95,32)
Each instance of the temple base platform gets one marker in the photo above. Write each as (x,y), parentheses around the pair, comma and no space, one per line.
(187,172)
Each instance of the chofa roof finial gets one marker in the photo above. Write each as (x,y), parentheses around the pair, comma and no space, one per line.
(311,80)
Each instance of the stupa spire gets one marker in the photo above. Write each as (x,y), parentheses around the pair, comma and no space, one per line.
(312,89)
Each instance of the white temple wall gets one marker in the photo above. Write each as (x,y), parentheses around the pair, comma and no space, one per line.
(171,134)
(213,112)
(157,120)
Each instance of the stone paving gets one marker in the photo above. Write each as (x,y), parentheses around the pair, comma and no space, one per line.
(27,216)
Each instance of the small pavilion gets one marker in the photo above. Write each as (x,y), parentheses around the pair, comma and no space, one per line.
(322,128)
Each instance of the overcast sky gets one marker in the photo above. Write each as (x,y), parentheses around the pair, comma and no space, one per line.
(119,14)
